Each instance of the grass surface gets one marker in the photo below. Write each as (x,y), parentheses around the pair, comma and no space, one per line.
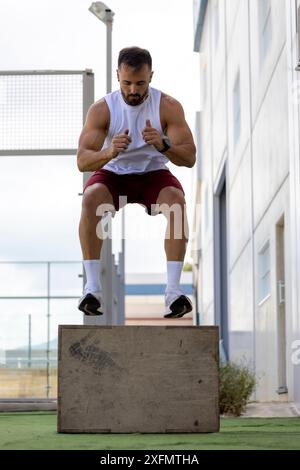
(37,430)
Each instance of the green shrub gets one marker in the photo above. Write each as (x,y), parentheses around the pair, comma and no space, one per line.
(237,383)
(187,267)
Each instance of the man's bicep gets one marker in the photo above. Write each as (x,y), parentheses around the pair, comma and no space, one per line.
(94,131)
(179,133)
(92,138)
(178,130)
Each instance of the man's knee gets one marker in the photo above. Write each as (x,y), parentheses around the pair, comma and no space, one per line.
(171,201)
(95,196)
(170,196)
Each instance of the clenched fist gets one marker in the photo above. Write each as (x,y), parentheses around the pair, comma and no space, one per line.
(151,136)
(120,143)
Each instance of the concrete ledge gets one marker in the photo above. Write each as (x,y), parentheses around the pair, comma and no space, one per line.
(27,405)
(271,410)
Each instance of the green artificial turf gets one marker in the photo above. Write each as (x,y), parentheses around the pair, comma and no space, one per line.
(37,430)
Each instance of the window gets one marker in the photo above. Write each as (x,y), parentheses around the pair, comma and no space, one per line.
(265,28)
(236,109)
(264,272)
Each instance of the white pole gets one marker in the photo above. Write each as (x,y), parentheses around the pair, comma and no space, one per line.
(107,279)
(109,55)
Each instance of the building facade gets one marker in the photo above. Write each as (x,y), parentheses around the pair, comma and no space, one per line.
(247,209)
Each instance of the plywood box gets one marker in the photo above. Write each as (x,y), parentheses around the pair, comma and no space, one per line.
(148,379)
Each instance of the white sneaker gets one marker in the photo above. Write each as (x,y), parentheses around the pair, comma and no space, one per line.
(91,303)
(177,304)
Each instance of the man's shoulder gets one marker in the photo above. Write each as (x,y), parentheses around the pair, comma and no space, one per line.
(169,105)
(98,115)
(99,111)
(99,106)
(168,101)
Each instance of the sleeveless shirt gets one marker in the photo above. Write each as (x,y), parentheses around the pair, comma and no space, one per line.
(139,156)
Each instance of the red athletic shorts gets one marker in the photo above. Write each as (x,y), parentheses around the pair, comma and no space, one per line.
(138,188)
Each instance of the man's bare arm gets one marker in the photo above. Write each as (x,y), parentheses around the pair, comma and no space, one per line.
(90,157)
(183,150)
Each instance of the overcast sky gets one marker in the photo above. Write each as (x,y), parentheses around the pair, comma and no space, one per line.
(40,206)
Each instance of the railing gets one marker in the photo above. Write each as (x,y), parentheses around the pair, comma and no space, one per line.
(29,318)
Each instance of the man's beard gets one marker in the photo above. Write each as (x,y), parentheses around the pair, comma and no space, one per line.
(135,100)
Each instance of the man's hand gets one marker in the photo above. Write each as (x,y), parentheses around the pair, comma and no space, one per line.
(120,143)
(151,136)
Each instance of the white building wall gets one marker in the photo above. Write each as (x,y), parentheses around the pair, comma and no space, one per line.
(240,250)
(293,54)
(266,339)
(206,297)
(257,181)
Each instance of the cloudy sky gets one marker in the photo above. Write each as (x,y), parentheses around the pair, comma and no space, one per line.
(40,206)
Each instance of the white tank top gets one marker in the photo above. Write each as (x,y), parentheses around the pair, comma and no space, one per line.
(139,157)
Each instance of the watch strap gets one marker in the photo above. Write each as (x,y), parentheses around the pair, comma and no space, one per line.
(165,147)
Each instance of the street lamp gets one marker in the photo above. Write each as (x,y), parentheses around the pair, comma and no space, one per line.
(105,14)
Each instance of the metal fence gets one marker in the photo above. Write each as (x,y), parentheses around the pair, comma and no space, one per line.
(42,113)
(45,294)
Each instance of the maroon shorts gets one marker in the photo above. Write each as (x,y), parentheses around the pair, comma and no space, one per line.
(138,188)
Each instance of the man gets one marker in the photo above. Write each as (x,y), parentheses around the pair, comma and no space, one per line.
(128,137)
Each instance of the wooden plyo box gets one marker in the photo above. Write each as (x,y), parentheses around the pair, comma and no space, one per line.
(147,379)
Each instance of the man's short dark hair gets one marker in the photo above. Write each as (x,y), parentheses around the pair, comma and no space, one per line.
(135,57)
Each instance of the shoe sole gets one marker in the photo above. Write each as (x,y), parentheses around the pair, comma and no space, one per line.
(180,307)
(90,308)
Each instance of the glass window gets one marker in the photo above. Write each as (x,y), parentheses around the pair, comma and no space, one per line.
(265,28)
(264,272)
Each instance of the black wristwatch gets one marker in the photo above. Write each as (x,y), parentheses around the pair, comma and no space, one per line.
(167,144)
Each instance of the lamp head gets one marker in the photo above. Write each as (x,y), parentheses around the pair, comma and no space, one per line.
(102,11)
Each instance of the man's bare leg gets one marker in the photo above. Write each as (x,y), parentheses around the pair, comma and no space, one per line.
(93,196)
(172,205)
(175,248)
(90,234)
(176,237)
